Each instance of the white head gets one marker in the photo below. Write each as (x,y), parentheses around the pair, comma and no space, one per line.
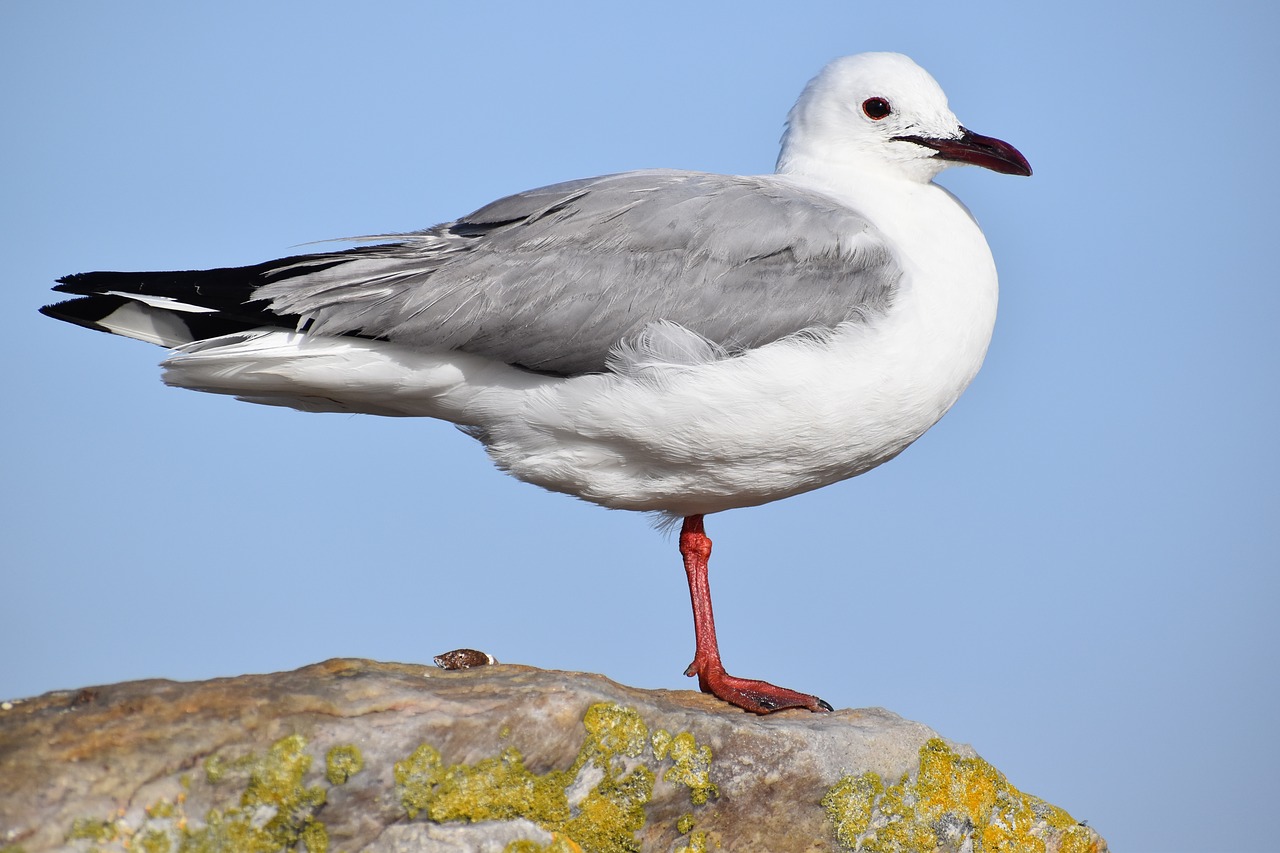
(878,110)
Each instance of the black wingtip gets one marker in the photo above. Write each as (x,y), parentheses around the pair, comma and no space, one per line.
(84,312)
(73,283)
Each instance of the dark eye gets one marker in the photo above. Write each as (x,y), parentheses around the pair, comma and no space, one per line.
(876,108)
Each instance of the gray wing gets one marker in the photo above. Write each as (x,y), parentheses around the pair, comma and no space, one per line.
(553,278)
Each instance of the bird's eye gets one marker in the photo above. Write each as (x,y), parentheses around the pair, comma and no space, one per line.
(876,108)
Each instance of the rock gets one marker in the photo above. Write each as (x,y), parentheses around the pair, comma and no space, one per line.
(353,755)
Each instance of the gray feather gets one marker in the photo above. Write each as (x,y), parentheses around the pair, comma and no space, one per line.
(554,278)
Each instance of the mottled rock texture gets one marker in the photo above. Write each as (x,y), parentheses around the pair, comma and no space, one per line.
(352,755)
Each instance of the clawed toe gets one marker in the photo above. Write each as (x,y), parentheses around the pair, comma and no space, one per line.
(758,697)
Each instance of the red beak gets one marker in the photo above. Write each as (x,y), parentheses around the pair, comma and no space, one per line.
(977,150)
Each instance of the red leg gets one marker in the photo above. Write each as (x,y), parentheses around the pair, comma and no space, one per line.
(760,697)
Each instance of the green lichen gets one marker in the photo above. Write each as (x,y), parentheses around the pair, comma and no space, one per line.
(342,762)
(952,803)
(276,810)
(602,819)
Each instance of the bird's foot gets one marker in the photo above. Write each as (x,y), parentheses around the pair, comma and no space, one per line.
(758,697)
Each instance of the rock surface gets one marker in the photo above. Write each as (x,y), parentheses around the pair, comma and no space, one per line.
(354,755)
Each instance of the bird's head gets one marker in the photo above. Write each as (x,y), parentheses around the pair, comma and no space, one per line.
(882,112)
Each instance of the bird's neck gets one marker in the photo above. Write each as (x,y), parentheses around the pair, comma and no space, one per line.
(904,207)
(838,162)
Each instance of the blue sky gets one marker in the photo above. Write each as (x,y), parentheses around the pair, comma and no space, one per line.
(1075,571)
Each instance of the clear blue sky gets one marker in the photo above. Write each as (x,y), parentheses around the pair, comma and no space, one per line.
(1076,571)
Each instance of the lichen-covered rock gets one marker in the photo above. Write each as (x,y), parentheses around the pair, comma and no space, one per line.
(353,755)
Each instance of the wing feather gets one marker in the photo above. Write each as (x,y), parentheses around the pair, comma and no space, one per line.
(554,278)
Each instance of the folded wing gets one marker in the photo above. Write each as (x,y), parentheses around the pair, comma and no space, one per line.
(553,279)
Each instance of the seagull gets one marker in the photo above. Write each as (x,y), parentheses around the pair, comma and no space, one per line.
(673,342)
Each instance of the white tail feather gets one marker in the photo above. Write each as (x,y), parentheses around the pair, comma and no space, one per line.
(343,374)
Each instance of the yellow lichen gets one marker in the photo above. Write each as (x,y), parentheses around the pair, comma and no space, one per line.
(341,763)
(691,767)
(416,778)
(697,844)
(160,809)
(315,837)
(849,804)
(154,841)
(610,815)
(603,818)
(93,830)
(497,788)
(276,811)
(613,730)
(952,803)
(595,804)
(558,844)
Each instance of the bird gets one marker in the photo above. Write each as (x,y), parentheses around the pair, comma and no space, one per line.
(673,342)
